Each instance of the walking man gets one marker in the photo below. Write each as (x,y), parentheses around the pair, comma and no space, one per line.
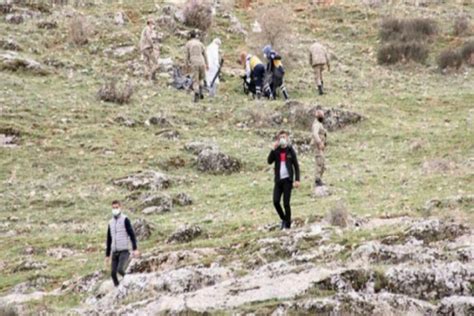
(318,58)
(319,142)
(287,176)
(119,234)
(196,61)
(150,51)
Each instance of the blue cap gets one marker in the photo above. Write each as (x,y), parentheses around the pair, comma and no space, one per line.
(267,50)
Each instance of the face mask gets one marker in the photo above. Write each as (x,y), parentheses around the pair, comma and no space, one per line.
(116,212)
(283,142)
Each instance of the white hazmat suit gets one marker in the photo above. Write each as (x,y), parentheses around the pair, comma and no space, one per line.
(214,60)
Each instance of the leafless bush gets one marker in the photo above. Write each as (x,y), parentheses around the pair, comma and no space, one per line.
(462,25)
(406,30)
(111,91)
(449,59)
(198,14)
(396,52)
(338,216)
(467,53)
(276,28)
(78,30)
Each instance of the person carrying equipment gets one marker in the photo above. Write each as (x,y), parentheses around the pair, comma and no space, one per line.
(275,68)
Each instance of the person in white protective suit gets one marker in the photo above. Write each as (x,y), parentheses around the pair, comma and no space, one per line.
(214,63)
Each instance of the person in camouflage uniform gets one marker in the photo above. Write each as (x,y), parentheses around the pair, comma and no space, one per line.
(319,141)
(318,58)
(196,61)
(150,51)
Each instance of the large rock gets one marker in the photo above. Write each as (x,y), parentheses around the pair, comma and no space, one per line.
(143,229)
(216,162)
(302,116)
(185,234)
(434,229)
(434,282)
(149,180)
(15,62)
(456,306)
(156,203)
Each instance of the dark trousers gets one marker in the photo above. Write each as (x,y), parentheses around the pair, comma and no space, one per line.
(119,264)
(283,187)
(258,75)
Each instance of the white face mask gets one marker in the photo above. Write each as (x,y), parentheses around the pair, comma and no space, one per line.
(116,212)
(283,142)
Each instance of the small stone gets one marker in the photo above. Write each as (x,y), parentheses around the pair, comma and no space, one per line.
(185,234)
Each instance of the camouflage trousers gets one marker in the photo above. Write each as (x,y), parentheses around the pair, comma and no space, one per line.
(150,56)
(318,73)
(320,164)
(198,74)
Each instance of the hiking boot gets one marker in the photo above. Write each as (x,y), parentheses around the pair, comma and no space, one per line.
(285,95)
(287,225)
(320,88)
(201,95)
(283,225)
(196,97)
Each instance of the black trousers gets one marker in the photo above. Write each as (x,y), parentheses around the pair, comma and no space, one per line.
(258,75)
(283,187)
(119,264)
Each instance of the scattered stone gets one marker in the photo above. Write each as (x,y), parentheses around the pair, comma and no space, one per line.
(156,203)
(36,284)
(125,121)
(158,120)
(170,135)
(83,284)
(165,64)
(235,26)
(143,229)
(47,25)
(60,253)
(321,191)
(28,265)
(14,62)
(338,216)
(197,147)
(120,18)
(185,234)
(121,51)
(148,180)
(433,230)
(5,7)
(14,18)
(9,44)
(216,162)
(376,252)
(450,202)
(182,199)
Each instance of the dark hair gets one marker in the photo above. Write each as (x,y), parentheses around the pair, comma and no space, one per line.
(282,132)
(116,202)
(193,34)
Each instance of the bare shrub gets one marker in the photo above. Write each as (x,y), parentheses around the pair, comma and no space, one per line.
(112,91)
(462,25)
(275,24)
(338,216)
(449,59)
(198,14)
(406,30)
(78,30)
(396,52)
(467,53)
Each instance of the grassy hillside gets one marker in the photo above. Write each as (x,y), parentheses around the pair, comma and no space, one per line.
(415,143)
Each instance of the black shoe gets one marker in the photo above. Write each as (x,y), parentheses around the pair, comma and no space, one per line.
(196,97)
(283,225)
(287,224)
(320,88)
(201,95)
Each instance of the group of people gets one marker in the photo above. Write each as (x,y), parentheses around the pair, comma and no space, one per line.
(204,65)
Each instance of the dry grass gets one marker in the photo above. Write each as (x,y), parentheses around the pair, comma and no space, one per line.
(396,52)
(467,53)
(111,91)
(79,30)
(406,30)
(198,14)
(338,216)
(462,26)
(449,59)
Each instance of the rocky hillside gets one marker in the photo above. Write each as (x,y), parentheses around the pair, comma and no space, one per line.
(392,234)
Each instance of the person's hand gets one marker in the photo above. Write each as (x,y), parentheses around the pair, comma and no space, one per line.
(136,254)
(276,144)
(107,262)
(296,184)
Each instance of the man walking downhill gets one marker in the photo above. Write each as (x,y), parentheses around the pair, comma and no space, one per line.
(318,58)
(286,170)
(196,61)
(119,234)
(150,51)
(319,142)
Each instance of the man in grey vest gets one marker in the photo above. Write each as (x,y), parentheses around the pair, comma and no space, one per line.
(119,234)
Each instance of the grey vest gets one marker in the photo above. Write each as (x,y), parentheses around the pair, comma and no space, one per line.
(120,238)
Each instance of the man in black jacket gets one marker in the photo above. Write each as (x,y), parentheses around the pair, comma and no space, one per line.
(286,170)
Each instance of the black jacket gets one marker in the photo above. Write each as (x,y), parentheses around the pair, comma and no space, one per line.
(291,162)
